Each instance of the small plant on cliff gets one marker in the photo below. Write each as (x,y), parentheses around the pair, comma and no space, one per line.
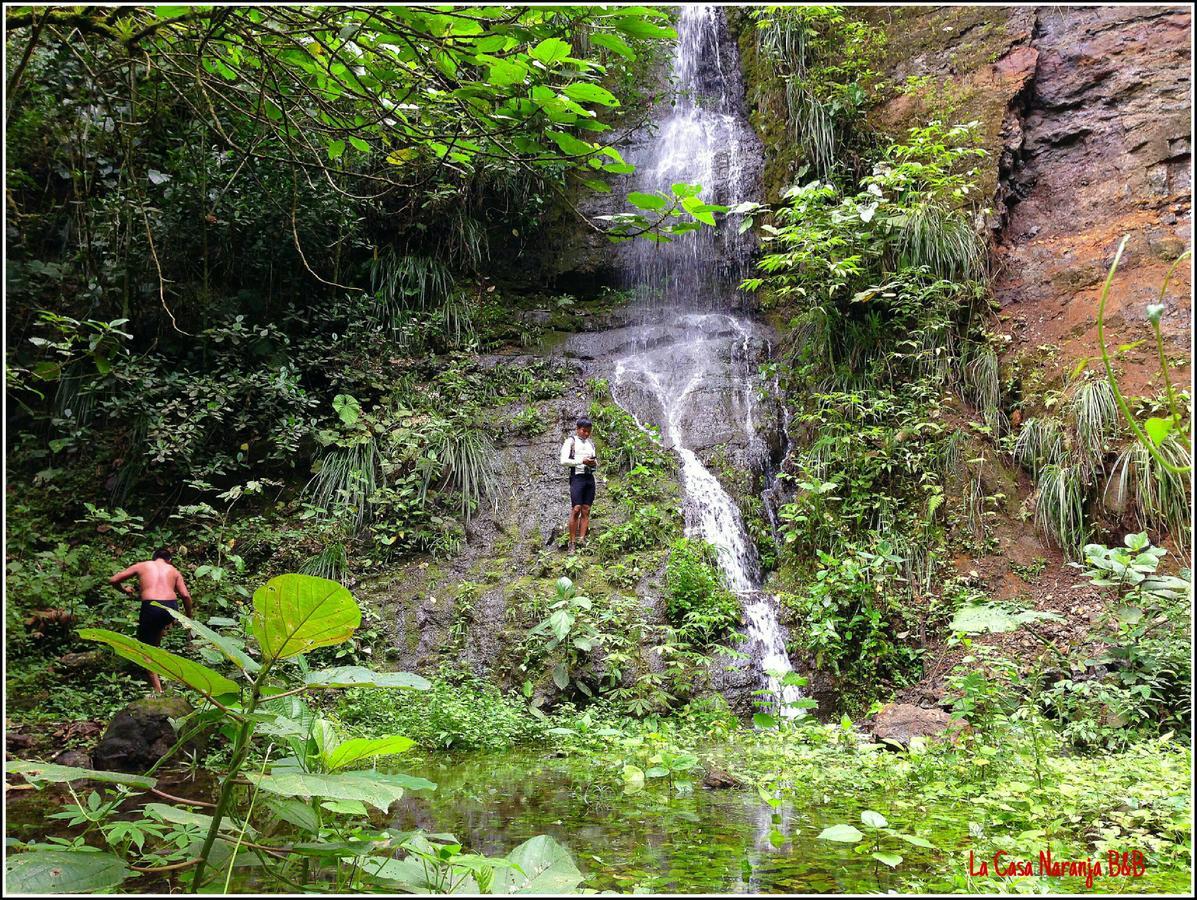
(698,604)
(566,637)
(1153,432)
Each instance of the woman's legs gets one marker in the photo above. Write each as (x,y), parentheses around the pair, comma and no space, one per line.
(583,521)
(575,516)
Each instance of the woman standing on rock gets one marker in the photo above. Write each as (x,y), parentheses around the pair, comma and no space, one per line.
(578,454)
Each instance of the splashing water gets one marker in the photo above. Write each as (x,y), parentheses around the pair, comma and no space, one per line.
(695,371)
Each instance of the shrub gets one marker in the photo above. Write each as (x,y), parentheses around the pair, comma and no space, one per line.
(460,711)
(697,602)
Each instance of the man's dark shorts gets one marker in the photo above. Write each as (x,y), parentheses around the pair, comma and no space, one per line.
(152,621)
(581,489)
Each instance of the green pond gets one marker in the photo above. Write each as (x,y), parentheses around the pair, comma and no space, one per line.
(688,840)
(679,838)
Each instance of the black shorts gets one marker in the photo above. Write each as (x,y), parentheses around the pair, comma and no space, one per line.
(152,621)
(581,489)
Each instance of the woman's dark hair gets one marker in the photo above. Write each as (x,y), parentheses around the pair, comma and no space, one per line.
(584,423)
(161,553)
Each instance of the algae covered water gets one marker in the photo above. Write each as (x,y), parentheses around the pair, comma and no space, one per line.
(688,840)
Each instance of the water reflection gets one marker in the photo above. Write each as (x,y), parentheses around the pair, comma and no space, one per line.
(692,840)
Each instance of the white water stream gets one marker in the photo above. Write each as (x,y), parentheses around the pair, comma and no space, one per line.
(692,366)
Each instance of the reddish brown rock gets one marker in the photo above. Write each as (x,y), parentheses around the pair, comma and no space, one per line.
(1104,152)
(897,724)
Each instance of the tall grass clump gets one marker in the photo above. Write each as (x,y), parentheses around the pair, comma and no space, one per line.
(400,281)
(982,384)
(1040,443)
(1156,497)
(1060,506)
(465,457)
(814,127)
(347,477)
(1096,420)
(331,562)
(941,239)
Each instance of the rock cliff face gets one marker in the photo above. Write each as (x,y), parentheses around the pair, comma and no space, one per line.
(1103,152)
(1086,114)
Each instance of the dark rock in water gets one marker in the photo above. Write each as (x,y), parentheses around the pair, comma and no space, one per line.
(139,735)
(74,758)
(716,779)
(899,723)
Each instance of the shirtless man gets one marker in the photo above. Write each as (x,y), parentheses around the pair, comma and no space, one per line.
(158,581)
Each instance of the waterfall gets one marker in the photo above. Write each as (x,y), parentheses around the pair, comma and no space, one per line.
(691,366)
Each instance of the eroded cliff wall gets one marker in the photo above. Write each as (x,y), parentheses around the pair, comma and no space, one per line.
(1087,114)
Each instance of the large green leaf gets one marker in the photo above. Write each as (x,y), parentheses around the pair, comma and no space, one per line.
(845,834)
(545,867)
(646,201)
(589,92)
(39,773)
(873,819)
(177,815)
(359,676)
(296,812)
(194,675)
(614,43)
(226,646)
(378,789)
(354,750)
(640,29)
(62,872)
(977,618)
(551,51)
(294,614)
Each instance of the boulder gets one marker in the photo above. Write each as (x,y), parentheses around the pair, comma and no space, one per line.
(896,724)
(139,735)
(717,779)
(18,743)
(76,758)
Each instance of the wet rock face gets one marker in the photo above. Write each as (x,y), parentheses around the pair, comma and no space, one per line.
(1102,151)
(139,735)
(1085,114)
(695,377)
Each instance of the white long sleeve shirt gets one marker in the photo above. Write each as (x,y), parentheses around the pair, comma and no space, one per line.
(573,451)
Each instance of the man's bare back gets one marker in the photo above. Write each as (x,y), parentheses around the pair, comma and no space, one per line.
(157,579)
(160,584)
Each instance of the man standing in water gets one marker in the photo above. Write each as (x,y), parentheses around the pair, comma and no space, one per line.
(578,454)
(157,581)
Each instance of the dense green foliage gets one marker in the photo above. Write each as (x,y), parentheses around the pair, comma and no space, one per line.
(697,603)
(458,712)
(293,615)
(877,273)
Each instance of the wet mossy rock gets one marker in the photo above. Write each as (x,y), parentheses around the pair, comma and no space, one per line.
(141,734)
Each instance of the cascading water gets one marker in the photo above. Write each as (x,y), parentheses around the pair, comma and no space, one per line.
(691,364)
